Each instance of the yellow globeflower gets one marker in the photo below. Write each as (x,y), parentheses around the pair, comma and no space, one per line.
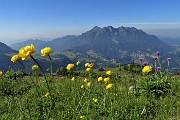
(69,66)
(86,65)
(100,79)
(147,69)
(89,84)
(106,79)
(85,80)
(88,69)
(35,67)
(1,73)
(82,86)
(26,51)
(78,62)
(81,117)
(95,100)
(109,86)
(45,51)
(90,65)
(14,58)
(73,78)
(109,72)
(47,94)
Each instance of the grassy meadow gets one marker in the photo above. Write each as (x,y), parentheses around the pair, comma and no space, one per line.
(126,92)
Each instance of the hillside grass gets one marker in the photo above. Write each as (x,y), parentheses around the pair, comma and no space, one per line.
(133,96)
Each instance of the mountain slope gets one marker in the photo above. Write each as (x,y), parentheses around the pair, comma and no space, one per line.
(37,43)
(112,42)
(107,46)
(5,58)
(63,43)
(5,49)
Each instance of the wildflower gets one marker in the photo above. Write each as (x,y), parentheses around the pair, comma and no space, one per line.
(82,86)
(106,79)
(144,63)
(78,62)
(89,84)
(91,65)
(109,72)
(85,80)
(158,68)
(45,51)
(129,65)
(168,59)
(69,66)
(86,65)
(147,69)
(157,53)
(88,69)
(35,67)
(26,51)
(95,100)
(73,78)
(1,73)
(155,58)
(140,59)
(81,117)
(14,58)
(100,79)
(109,86)
(47,94)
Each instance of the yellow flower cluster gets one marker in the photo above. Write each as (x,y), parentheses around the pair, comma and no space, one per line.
(82,86)
(89,84)
(100,79)
(90,65)
(69,66)
(109,86)
(1,73)
(78,62)
(46,51)
(73,78)
(109,72)
(106,79)
(14,58)
(35,67)
(95,100)
(47,94)
(26,51)
(85,80)
(81,117)
(88,69)
(147,69)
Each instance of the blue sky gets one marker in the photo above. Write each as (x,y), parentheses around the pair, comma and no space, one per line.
(21,19)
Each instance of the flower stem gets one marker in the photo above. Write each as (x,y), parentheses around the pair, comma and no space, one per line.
(50,59)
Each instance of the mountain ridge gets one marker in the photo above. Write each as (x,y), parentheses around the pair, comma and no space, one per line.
(104,44)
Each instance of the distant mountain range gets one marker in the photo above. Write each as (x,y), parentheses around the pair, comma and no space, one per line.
(107,46)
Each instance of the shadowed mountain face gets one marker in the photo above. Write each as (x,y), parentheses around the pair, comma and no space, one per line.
(107,45)
(5,49)
(5,56)
(110,42)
